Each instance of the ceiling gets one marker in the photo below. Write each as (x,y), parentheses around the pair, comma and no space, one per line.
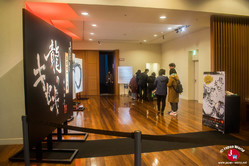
(117,23)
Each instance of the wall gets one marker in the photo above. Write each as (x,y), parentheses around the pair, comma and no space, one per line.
(135,55)
(177,51)
(11,72)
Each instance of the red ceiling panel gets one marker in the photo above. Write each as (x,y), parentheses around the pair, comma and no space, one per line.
(63,24)
(52,11)
(57,14)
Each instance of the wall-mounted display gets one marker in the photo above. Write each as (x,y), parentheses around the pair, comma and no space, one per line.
(78,75)
(124,74)
(214,100)
(47,75)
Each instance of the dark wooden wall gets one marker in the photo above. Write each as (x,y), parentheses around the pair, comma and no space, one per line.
(230,53)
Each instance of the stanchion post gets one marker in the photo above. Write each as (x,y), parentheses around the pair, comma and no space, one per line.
(137,152)
(25,140)
(59,134)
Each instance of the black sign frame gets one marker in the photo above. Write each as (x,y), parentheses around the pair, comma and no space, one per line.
(47,56)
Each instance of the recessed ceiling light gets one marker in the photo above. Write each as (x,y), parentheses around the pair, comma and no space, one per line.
(84,13)
(155,35)
(94,25)
(163,17)
(92,33)
(145,40)
(91,39)
(169,28)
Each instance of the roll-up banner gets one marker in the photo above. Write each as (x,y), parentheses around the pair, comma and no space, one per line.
(214,100)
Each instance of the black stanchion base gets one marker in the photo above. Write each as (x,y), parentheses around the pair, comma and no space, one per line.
(82,98)
(70,119)
(75,103)
(72,140)
(48,156)
(79,109)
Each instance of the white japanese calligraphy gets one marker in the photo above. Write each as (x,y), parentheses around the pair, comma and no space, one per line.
(54,55)
(38,71)
(47,92)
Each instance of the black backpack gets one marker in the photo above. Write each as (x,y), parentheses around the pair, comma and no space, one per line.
(179,88)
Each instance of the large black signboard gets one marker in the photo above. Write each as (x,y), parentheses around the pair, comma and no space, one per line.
(47,72)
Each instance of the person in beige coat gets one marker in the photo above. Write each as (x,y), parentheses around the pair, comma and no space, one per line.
(173,96)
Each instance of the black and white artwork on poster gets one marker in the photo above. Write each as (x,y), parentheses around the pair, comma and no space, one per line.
(78,75)
(214,100)
(214,95)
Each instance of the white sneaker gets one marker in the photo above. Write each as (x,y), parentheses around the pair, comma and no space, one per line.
(173,113)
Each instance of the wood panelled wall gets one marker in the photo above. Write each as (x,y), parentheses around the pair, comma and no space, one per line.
(230,53)
(90,60)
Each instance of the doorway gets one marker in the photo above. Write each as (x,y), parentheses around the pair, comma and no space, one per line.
(196,74)
(106,64)
(193,76)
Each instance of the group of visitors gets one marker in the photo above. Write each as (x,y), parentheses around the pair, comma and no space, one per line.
(142,86)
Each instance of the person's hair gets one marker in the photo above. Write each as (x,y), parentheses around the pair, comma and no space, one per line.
(138,72)
(171,71)
(146,70)
(153,74)
(172,65)
(161,72)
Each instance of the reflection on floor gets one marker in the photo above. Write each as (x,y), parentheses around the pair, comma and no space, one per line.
(120,113)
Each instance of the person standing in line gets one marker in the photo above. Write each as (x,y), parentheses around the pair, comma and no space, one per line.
(143,84)
(161,90)
(151,87)
(137,79)
(173,97)
(172,66)
(133,87)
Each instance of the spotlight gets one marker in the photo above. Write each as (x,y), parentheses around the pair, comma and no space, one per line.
(182,28)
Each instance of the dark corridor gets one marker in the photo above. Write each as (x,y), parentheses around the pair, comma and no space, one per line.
(106,63)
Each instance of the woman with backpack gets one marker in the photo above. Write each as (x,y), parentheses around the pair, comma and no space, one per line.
(173,97)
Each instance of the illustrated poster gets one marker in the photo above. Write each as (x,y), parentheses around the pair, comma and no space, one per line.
(214,100)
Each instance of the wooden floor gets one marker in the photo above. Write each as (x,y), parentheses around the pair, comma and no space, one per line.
(123,114)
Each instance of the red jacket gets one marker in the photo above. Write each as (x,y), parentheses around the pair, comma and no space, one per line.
(133,84)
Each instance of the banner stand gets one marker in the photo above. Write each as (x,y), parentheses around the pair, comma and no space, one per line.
(40,154)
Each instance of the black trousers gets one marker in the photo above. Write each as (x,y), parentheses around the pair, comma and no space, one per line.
(143,92)
(161,98)
(174,106)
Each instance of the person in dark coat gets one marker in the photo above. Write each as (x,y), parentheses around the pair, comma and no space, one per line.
(109,82)
(151,87)
(142,83)
(133,86)
(161,90)
(137,79)
(173,97)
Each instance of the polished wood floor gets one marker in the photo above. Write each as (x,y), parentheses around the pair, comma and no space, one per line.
(120,113)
